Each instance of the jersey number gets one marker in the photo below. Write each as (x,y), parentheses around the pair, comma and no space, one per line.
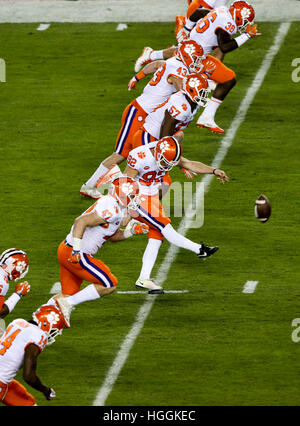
(7,341)
(205,22)
(150,177)
(158,75)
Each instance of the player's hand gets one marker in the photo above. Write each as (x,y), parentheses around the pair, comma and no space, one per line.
(188,174)
(22,289)
(139,228)
(220,174)
(183,35)
(251,30)
(50,394)
(132,83)
(75,257)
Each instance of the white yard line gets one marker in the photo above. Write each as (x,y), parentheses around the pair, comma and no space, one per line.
(250,286)
(143,292)
(226,143)
(43,27)
(56,288)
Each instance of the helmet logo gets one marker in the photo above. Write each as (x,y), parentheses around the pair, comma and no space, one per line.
(127,188)
(21,265)
(53,317)
(245,12)
(189,49)
(194,82)
(164,146)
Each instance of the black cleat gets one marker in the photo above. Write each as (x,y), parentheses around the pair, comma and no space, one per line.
(206,251)
(156,291)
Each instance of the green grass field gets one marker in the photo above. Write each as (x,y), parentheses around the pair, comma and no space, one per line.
(60,114)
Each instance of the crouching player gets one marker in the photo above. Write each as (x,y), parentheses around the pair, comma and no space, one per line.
(21,344)
(147,165)
(99,223)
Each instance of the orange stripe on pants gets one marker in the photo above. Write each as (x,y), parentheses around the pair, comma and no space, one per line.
(73,274)
(15,395)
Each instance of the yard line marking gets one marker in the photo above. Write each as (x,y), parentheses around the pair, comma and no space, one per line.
(121,27)
(250,286)
(43,27)
(56,288)
(227,141)
(143,292)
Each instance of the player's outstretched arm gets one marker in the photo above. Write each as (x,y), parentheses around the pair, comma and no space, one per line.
(29,372)
(21,290)
(148,69)
(197,167)
(227,44)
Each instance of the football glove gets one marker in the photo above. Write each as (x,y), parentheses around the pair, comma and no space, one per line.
(135,227)
(188,174)
(134,81)
(75,257)
(50,394)
(251,30)
(183,34)
(22,289)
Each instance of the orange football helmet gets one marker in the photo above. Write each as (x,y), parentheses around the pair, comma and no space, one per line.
(195,86)
(167,153)
(126,191)
(242,13)
(15,262)
(191,54)
(50,319)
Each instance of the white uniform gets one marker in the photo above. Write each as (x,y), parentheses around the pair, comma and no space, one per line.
(4,286)
(149,177)
(18,335)
(159,89)
(178,107)
(95,236)
(204,32)
(216,3)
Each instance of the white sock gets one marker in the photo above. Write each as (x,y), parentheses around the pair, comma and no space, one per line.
(211,107)
(97,175)
(156,55)
(179,240)
(149,258)
(88,293)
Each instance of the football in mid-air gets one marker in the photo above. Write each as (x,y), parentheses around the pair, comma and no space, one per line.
(262,208)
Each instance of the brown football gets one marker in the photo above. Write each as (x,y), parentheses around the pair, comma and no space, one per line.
(262,208)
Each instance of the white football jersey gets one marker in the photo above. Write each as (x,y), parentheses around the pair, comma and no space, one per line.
(204,32)
(4,284)
(178,107)
(95,236)
(18,335)
(159,88)
(149,177)
(216,3)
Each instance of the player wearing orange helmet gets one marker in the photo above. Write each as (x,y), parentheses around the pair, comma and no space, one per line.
(98,224)
(14,265)
(147,165)
(167,79)
(20,346)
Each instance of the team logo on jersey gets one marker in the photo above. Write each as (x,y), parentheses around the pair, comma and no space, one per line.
(141,155)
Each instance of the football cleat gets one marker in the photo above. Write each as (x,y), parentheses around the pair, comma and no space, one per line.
(88,191)
(144,59)
(206,251)
(65,308)
(149,285)
(209,123)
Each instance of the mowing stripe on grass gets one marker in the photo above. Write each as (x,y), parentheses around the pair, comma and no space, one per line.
(250,286)
(227,141)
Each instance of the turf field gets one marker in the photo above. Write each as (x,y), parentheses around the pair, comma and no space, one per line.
(60,114)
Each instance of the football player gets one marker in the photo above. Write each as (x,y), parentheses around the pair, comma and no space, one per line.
(147,165)
(216,29)
(20,346)
(98,224)
(167,80)
(14,265)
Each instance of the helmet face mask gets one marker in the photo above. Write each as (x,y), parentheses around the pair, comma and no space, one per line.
(126,190)
(49,319)
(243,14)
(15,263)
(195,86)
(191,54)
(167,147)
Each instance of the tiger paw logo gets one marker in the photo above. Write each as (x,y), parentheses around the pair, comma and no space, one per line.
(53,318)
(127,188)
(245,13)
(21,266)
(194,82)
(164,146)
(210,66)
(190,49)
(141,155)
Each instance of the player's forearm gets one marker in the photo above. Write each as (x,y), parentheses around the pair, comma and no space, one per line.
(119,236)
(195,166)
(152,67)
(33,380)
